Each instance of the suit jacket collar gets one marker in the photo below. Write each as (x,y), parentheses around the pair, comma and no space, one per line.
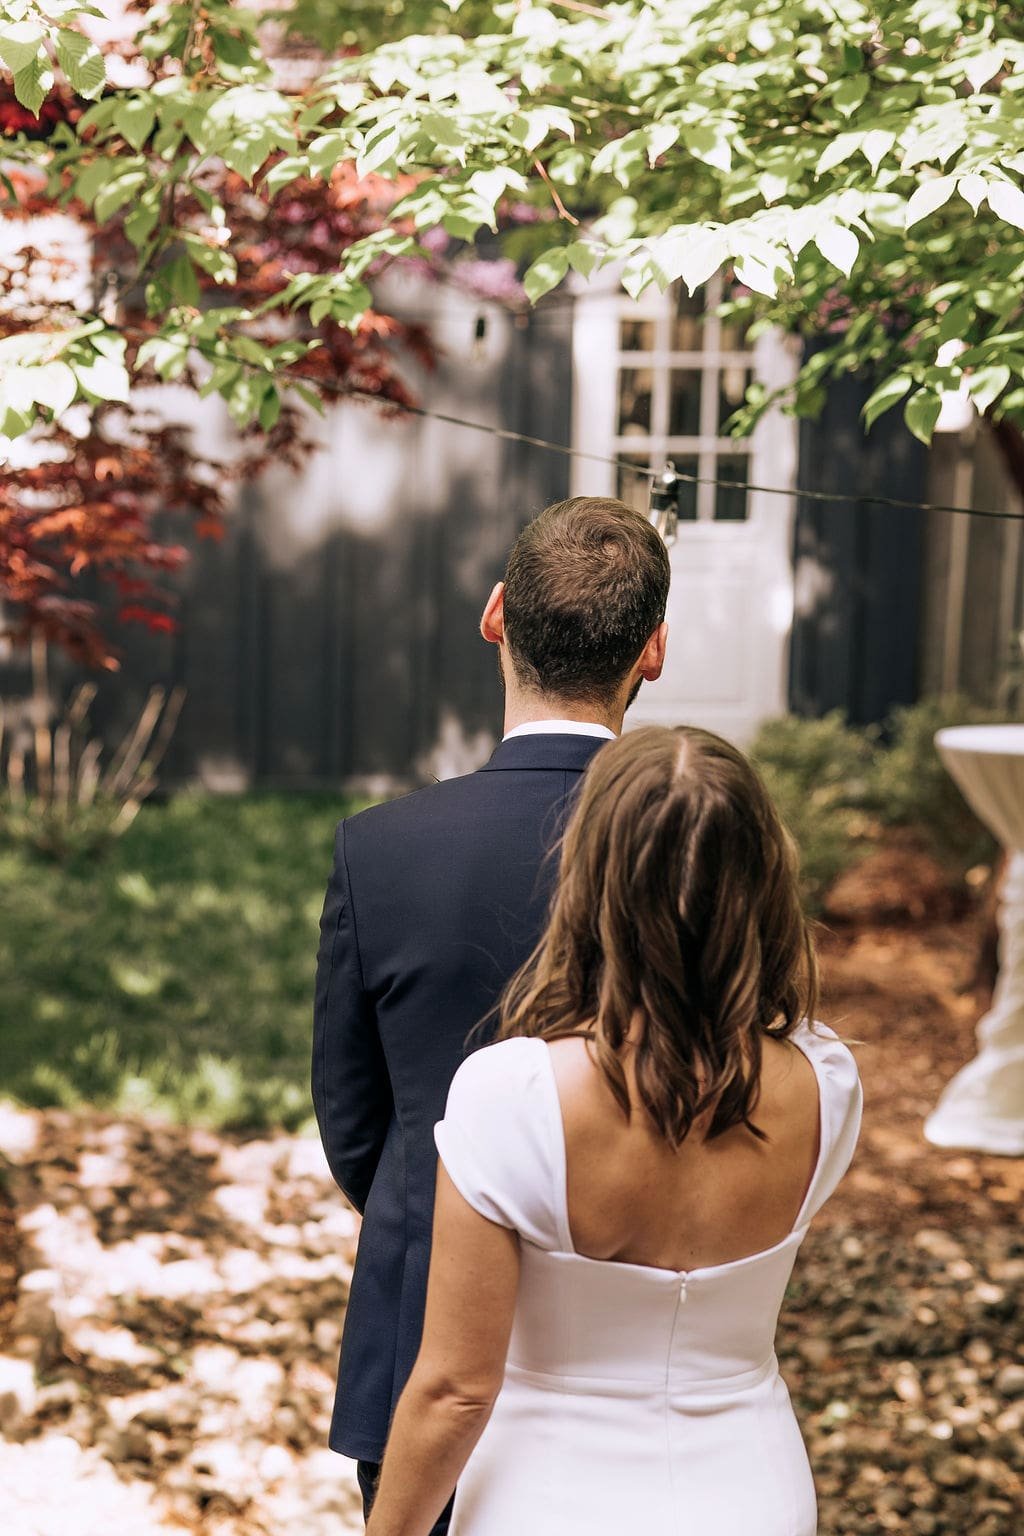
(546,750)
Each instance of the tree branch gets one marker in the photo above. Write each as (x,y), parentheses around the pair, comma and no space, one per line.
(585,10)
(563,212)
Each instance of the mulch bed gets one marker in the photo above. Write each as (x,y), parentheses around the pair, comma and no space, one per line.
(170,1303)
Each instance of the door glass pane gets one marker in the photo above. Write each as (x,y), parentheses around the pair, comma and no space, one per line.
(731,499)
(732,388)
(634,490)
(635,385)
(637,336)
(687,330)
(733,331)
(684,403)
(733,336)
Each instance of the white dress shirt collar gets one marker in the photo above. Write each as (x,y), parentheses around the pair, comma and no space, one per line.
(559,728)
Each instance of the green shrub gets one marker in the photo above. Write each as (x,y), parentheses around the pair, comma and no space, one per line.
(820,774)
(838,787)
(911,787)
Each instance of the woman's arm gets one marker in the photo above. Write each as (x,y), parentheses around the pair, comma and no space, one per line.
(471,1297)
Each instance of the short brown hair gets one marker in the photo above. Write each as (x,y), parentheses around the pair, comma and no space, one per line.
(677,913)
(586,587)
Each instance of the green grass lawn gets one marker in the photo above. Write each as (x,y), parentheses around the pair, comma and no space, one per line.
(174,973)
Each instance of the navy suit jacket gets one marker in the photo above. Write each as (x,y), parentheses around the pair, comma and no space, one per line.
(434,901)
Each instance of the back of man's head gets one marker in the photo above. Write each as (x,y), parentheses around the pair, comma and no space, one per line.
(586,587)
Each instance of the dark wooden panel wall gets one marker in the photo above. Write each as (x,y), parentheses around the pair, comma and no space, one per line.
(332,637)
(856,628)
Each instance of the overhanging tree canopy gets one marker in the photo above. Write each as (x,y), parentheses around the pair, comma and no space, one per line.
(83,495)
(857,166)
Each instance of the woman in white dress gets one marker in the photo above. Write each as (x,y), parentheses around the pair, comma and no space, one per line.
(625,1178)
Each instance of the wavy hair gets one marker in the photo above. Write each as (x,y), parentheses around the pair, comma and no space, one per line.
(676,926)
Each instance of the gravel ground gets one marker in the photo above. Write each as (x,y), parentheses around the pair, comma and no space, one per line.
(171,1302)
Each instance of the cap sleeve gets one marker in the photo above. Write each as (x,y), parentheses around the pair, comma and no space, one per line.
(841,1101)
(496,1140)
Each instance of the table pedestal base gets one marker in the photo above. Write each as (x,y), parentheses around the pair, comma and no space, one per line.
(983,1107)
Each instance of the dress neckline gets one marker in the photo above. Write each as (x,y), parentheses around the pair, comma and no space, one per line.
(561,1183)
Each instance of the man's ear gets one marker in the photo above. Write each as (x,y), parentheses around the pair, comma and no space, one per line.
(652,657)
(492,622)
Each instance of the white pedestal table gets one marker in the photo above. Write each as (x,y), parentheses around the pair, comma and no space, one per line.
(983,1107)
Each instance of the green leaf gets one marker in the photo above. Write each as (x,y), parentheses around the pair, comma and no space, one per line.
(983,67)
(270,409)
(802,224)
(839,246)
(921,412)
(53,385)
(33,83)
(134,119)
(81,62)
(244,399)
(640,271)
(985,385)
(708,142)
(92,177)
(379,150)
(179,276)
(309,395)
(694,254)
(583,258)
(545,273)
(140,223)
(531,128)
(14,423)
(772,186)
(973,189)
(625,158)
(19,45)
(104,379)
(290,169)
(251,149)
(876,146)
(223,378)
(756,274)
(842,148)
(1007,202)
(116,193)
(885,396)
(928,197)
(849,94)
(168,355)
(660,138)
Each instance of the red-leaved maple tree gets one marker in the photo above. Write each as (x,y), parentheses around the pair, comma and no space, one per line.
(83,495)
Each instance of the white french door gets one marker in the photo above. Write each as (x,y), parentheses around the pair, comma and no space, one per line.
(656,379)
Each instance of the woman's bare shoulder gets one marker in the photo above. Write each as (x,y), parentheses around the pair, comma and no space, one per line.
(788,1077)
(583,1089)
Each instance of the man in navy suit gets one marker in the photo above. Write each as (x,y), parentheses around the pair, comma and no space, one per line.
(437,898)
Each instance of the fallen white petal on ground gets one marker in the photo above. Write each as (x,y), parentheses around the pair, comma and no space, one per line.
(172,1339)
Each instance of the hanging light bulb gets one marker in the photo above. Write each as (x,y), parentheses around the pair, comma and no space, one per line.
(664,513)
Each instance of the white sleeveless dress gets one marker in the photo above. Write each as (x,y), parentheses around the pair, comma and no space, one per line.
(636,1401)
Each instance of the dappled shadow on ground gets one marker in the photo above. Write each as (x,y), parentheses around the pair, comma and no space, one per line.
(176,1327)
(174,1300)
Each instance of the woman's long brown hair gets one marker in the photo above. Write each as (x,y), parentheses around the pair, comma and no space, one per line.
(677,926)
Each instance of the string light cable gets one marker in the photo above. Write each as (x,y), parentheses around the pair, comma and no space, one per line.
(507,434)
(663,478)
